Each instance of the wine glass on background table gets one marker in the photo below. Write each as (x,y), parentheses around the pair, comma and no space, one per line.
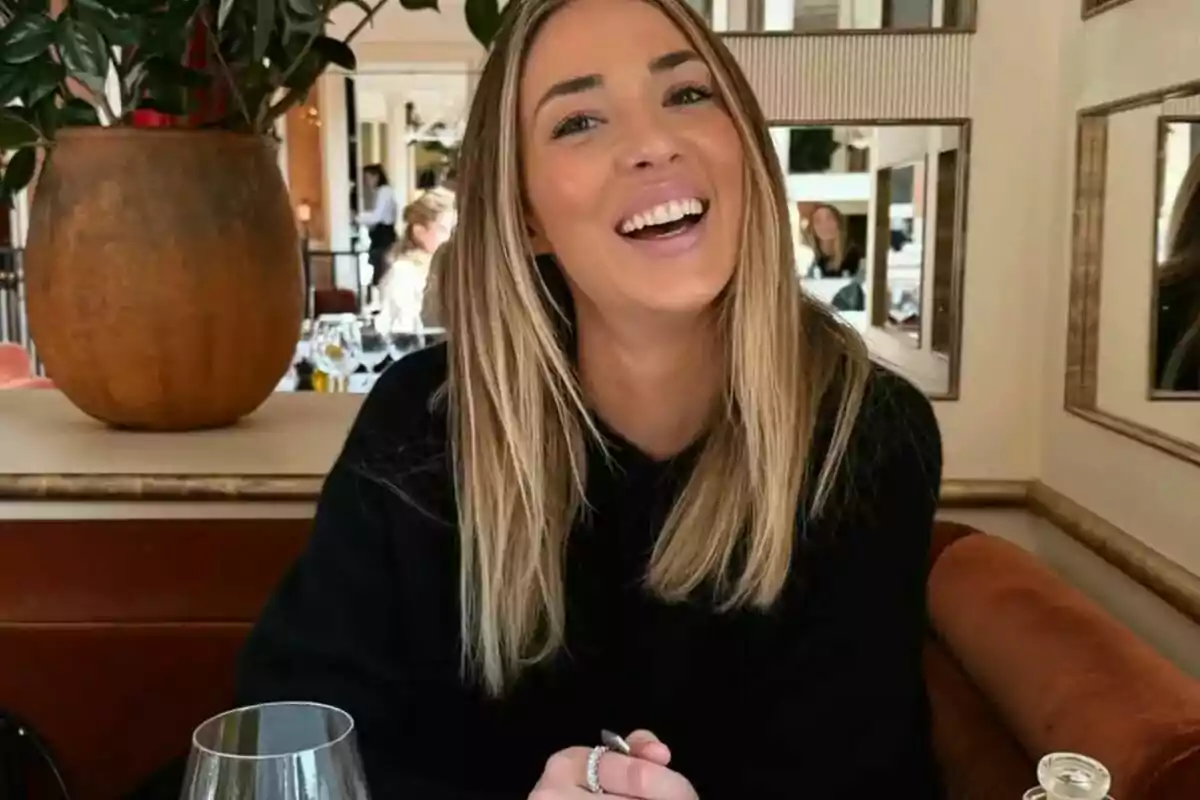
(336,348)
(373,350)
(276,751)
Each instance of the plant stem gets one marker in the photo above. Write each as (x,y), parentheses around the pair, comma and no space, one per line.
(366,20)
(290,99)
(105,106)
(294,96)
(216,46)
(116,65)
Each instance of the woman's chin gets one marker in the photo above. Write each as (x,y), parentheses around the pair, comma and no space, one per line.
(679,297)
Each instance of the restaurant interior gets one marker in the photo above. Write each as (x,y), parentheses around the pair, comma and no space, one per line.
(1001,197)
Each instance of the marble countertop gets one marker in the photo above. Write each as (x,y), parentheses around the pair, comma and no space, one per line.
(48,448)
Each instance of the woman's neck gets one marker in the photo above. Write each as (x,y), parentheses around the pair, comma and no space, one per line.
(657,387)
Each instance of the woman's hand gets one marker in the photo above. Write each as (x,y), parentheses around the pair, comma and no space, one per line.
(642,775)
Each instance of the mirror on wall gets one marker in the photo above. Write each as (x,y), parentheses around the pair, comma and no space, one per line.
(826,16)
(878,227)
(1133,346)
(1175,311)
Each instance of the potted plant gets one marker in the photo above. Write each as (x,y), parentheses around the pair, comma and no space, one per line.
(162,268)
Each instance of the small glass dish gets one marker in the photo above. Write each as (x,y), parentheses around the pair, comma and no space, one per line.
(1069,776)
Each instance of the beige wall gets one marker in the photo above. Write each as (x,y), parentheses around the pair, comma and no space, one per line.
(1138,47)
(994,429)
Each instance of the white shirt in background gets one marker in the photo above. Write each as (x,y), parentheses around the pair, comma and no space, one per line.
(384,212)
(402,292)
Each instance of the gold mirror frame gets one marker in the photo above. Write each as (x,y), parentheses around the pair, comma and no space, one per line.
(954,307)
(1092,8)
(1080,384)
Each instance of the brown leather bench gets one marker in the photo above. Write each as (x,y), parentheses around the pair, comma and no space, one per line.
(117,638)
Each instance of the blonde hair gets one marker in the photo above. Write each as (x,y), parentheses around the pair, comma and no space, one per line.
(519,422)
(840,245)
(426,210)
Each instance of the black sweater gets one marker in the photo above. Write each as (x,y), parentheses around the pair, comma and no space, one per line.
(820,698)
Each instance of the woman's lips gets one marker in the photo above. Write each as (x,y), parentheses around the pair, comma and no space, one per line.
(671,245)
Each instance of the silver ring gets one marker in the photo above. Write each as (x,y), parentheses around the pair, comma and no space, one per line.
(592,778)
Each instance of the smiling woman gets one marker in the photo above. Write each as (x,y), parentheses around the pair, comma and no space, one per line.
(647,484)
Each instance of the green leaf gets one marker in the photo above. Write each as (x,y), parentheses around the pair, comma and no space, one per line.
(166,85)
(121,30)
(298,32)
(483,20)
(45,112)
(28,36)
(419,5)
(19,170)
(305,9)
(223,13)
(15,130)
(335,51)
(163,36)
(305,74)
(171,72)
(84,52)
(12,84)
(41,79)
(77,112)
(264,26)
(135,7)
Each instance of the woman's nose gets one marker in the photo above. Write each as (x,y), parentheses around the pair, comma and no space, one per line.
(649,144)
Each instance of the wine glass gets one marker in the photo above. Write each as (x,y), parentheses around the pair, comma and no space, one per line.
(276,751)
(373,347)
(304,344)
(335,347)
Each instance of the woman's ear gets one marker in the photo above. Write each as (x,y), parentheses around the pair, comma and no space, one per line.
(538,243)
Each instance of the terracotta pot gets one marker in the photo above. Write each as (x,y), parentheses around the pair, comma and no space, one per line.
(163,275)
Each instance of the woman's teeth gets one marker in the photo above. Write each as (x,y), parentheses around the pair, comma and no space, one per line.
(663,214)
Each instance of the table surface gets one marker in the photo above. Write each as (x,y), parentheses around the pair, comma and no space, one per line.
(292,435)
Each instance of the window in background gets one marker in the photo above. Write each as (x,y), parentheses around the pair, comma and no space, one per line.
(810,149)
(817,15)
(902,14)
(820,16)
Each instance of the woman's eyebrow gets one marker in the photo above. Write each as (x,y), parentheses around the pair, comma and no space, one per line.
(586,83)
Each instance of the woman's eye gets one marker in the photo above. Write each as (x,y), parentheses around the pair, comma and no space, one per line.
(571,125)
(689,95)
